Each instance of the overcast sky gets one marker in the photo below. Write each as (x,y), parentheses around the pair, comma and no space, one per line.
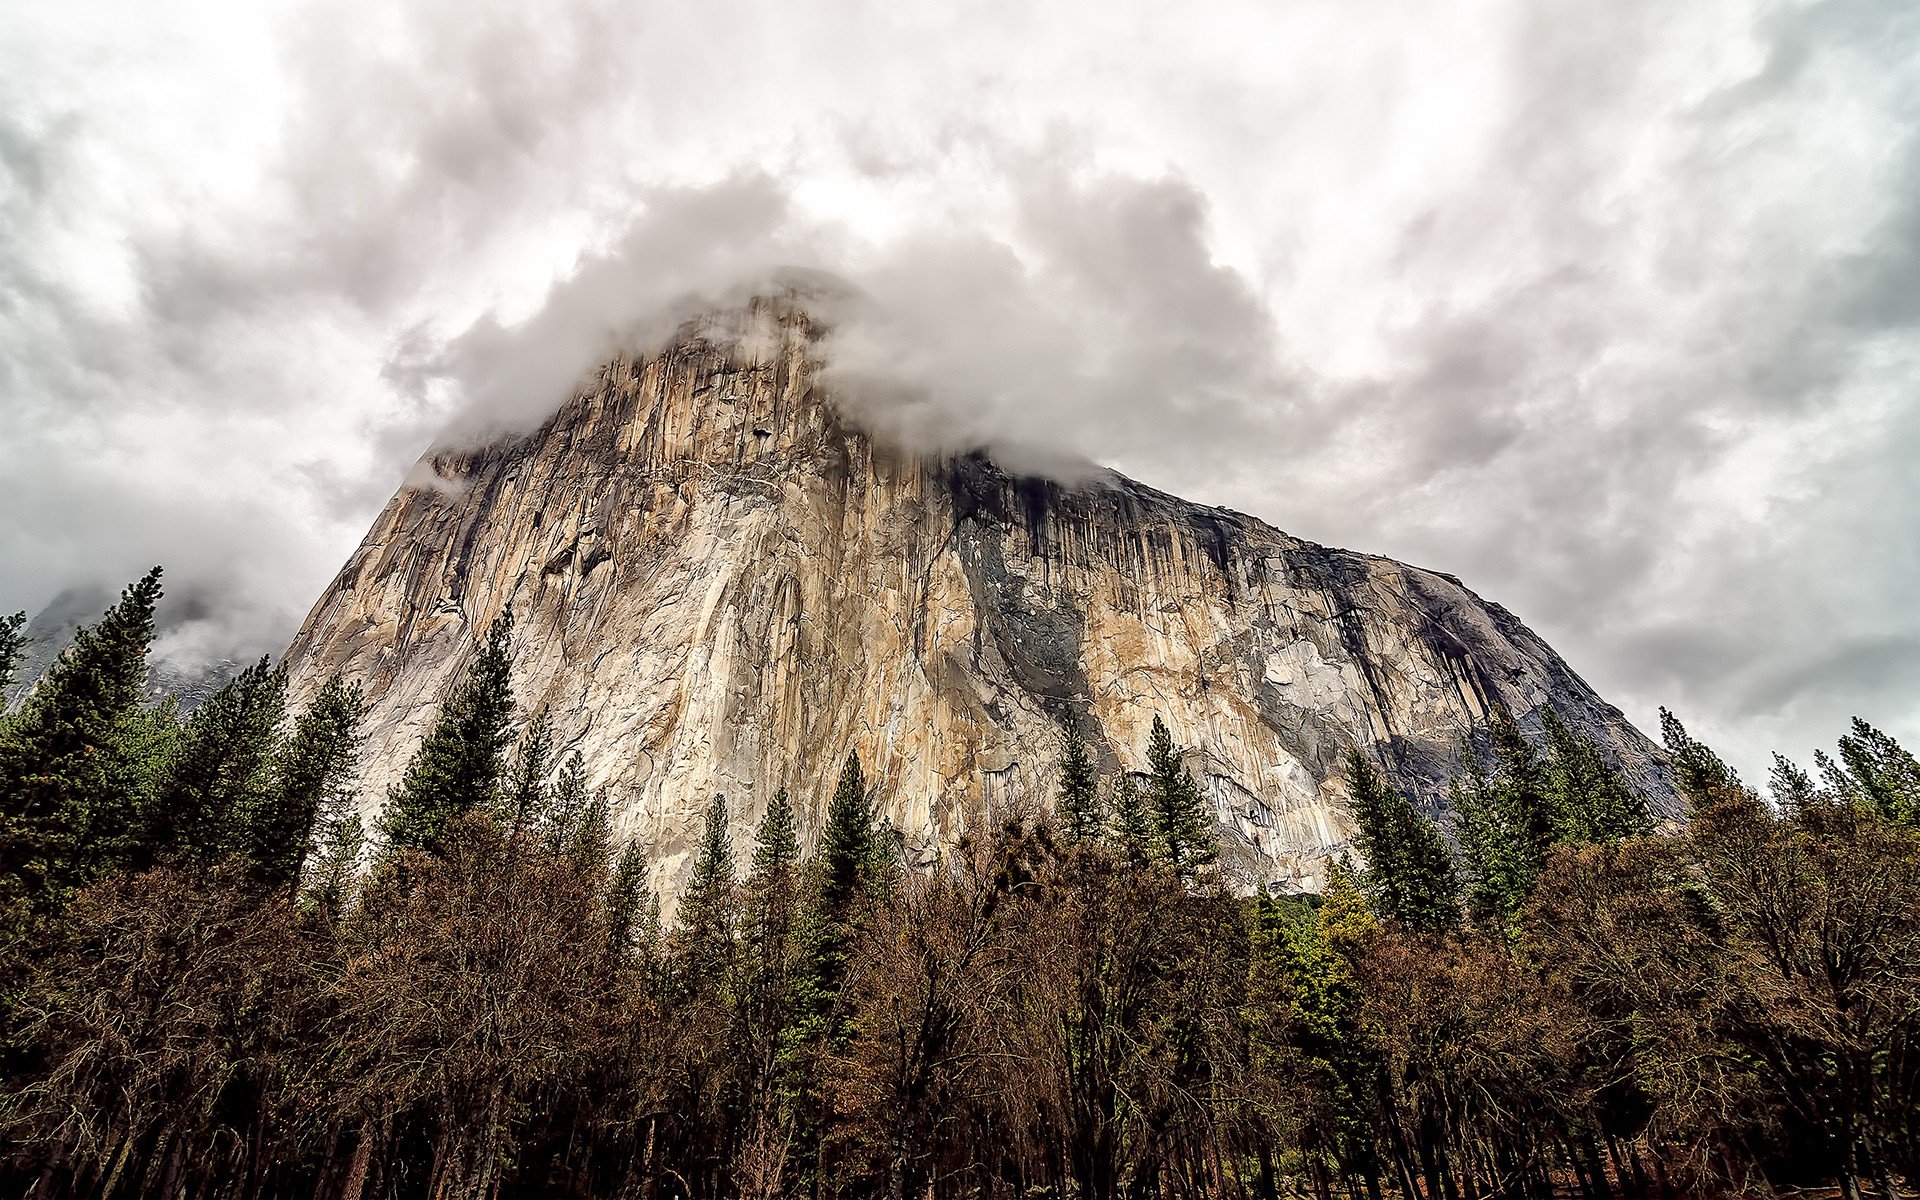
(1611,308)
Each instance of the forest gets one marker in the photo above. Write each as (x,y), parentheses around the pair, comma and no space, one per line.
(216,982)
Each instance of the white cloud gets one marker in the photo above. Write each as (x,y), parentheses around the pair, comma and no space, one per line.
(1609,307)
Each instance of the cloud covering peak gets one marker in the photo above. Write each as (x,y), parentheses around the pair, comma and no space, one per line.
(1609,308)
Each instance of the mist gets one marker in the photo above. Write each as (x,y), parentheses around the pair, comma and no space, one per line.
(1609,309)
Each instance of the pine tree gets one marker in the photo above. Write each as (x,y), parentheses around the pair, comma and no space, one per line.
(776,849)
(1131,824)
(814,1017)
(1524,787)
(769,923)
(839,870)
(591,847)
(68,788)
(625,908)
(458,767)
(526,788)
(846,844)
(329,885)
(1793,790)
(1303,966)
(1078,805)
(13,643)
(1881,776)
(1703,779)
(1185,836)
(222,773)
(1410,875)
(566,805)
(313,779)
(1500,861)
(707,910)
(1508,822)
(1586,798)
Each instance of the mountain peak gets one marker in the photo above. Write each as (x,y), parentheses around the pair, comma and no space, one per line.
(722,586)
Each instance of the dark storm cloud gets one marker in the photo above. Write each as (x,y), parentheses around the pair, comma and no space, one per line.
(1610,308)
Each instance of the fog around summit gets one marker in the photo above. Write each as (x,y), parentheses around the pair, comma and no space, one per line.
(1609,309)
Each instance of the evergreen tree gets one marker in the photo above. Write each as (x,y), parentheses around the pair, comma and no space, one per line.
(1793,790)
(1880,775)
(591,848)
(707,910)
(222,773)
(768,927)
(526,789)
(459,766)
(13,643)
(625,902)
(1185,836)
(313,778)
(1131,827)
(329,885)
(1702,778)
(68,797)
(846,844)
(776,849)
(1500,863)
(1523,785)
(1410,875)
(1303,966)
(566,805)
(840,866)
(1078,804)
(1508,821)
(1587,799)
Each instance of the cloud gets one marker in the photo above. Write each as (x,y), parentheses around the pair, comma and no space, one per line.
(1608,308)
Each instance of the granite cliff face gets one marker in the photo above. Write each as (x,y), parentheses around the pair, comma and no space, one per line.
(721,587)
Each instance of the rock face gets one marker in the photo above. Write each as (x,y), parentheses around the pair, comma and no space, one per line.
(720,586)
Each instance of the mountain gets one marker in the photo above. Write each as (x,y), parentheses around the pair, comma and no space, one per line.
(720,585)
(189,680)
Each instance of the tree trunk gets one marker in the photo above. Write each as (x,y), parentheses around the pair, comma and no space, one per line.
(356,1180)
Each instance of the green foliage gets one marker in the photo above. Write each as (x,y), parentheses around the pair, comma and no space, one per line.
(706,912)
(1879,775)
(1410,875)
(1702,778)
(459,766)
(1500,857)
(526,792)
(626,902)
(74,761)
(1511,820)
(1587,799)
(1077,806)
(13,643)
(1303,963)
(591,847)
(846,850)
(221,775)
(1792,789)
(313,780)
(1130,821)
(1185,835)
(341,838)
(840,871)
(776,849)
(565,805)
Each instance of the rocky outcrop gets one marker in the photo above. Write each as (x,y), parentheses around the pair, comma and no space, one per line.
(720,586)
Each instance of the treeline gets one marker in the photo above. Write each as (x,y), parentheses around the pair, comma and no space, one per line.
(215,983)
